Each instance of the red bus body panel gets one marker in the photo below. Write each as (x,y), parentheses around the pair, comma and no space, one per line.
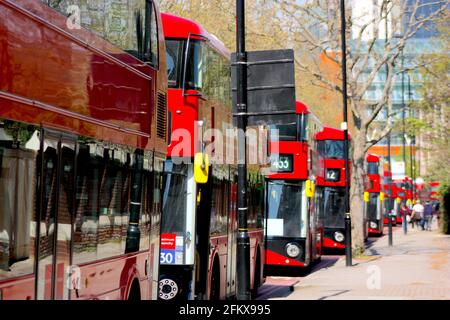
(74,81)
(102,87)
(306,164)
(186,112)
(332,134)
(299,150)
(329,243)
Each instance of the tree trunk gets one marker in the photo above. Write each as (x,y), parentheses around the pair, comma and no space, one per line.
(357,192)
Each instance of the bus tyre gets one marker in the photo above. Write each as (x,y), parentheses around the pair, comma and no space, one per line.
(214,294)
(135,292)
(257,278)
(168,288)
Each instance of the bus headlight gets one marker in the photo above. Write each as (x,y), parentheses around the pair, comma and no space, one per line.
(168,289)
(339,236)
(373,225)
(293,250)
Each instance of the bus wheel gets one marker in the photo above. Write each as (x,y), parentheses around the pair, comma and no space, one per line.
(257,278)
(135,292)
(215,282)
(318,260)
(168,288)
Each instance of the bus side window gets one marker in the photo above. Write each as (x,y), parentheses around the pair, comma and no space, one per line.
(132,27)
(19,168)
(154,38)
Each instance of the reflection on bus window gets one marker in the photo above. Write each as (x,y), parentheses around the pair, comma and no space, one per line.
(208,72)
(196,66)
(331,149)
(19,146)
(219,206)
(372,206)
(174,199)
(119,24)
(284,209)
(102,201)
(174,56)
(373,168)
(334,207)
(283,132)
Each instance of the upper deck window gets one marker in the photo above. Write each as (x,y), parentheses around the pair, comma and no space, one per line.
(303,124)
(372,168)
(132,25)
(294,131)
(201,68)
(331,149)
(283,132)
(174,51)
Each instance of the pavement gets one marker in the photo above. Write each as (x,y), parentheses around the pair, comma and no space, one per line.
(416,267)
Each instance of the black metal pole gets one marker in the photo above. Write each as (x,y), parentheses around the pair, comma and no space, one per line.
(389,183)
(243,240)
(413,166)
(403,112)
(404,221)
(388,145)
(348,221)
(413,173)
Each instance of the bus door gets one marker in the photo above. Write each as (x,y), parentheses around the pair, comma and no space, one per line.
(204,195)
(178,240)
(56,203)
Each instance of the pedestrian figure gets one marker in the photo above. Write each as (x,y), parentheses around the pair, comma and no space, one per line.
(436,214)
(417,214)
(405,217)
(428,215)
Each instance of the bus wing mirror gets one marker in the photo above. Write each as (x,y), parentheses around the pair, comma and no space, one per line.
(366,197)
(310,188)
(201,168)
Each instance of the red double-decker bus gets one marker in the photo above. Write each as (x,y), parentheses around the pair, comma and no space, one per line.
(199,226)
(374,208)
(409,190)
(403,196)
(426,191)
(391,196)
(293,230)
(82,146)
(331,187)
(434,190)
(393,199)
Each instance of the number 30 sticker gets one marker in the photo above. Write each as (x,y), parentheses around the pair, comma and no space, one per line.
(167,257)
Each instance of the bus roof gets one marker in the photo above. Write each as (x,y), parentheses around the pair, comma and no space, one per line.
(177,27)
(373,158)
(329,133)
(301,108)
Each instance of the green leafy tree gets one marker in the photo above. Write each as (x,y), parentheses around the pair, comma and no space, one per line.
(433,108)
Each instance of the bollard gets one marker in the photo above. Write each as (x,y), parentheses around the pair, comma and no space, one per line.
(348,240)
(390,229)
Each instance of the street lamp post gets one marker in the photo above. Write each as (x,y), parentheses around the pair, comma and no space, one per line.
(388,142)
(243,240)
(348,221)
(413,141)
(403,110)
(404,221)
